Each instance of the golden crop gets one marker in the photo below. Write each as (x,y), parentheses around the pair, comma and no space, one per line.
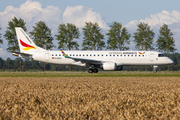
(90,98)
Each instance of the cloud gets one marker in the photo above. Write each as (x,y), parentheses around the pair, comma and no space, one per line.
(155,21)
(32,12)
(158,19)
(78,15)
(2,52)
(163,17)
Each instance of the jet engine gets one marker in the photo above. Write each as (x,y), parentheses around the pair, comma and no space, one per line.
(109,66)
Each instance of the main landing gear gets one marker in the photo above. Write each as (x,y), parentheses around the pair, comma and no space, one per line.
(155,67)
(93,70)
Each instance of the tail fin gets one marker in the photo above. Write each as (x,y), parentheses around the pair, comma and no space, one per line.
(25,42)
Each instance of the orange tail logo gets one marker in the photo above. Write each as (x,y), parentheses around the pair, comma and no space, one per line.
(27,47)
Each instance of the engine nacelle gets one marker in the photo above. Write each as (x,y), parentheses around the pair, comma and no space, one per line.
(109,66)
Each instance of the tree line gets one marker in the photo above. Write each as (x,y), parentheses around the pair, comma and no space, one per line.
(93,38)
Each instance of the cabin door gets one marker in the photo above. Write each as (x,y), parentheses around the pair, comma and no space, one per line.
(152,56)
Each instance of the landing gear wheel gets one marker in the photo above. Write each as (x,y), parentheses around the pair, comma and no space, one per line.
(155,70)
(95,70)
(90,71)
(155,67)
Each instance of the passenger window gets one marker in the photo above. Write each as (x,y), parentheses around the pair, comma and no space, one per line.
(87,55)
(110,55)
(70,54)
(121,55)
(83,54)
(131,55)
(113,55)
(135,55)
(139,55)
(56,54)
(76,54)
(101,55)
(52,54)
(98,55)
(117,55)
(106,55)
(94,55)
(143,55)
(79,54)
(90,55)
(124,55)
(128,55)
(73,54)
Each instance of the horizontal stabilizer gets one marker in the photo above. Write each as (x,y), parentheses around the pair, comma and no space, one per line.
(24,55)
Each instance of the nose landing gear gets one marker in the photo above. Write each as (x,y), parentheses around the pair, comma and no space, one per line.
(155,67)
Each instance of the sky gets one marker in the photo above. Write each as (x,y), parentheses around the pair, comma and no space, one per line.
(129,13)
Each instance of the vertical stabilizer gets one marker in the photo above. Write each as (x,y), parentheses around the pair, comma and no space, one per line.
(25,42)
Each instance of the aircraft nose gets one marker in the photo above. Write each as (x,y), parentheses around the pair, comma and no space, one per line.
(170,61)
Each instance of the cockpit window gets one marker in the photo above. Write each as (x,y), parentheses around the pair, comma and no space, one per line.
(161,55)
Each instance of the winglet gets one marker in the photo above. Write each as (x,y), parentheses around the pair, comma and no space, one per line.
(64,54)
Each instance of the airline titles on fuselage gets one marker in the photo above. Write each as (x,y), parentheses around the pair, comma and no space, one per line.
(122,52)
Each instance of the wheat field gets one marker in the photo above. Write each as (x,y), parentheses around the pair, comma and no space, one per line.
(92,98)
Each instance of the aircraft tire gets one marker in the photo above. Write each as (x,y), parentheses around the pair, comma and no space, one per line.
(90,71)
(95,70)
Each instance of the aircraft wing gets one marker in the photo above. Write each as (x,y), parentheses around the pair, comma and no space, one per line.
(86,60)
(81,59)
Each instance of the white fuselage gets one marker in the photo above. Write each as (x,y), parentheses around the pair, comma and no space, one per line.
(121,58)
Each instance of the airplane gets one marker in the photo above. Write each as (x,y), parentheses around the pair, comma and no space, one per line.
(106,60)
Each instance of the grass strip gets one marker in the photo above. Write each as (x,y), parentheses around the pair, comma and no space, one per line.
(94,75)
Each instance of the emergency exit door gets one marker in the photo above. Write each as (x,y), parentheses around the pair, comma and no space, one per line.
(47,56)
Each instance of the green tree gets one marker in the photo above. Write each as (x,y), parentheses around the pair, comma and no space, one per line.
(165,42)
(8,63)
(143,37)
(42,36)
(34,64)
(26,64)
(93,37)
(1,41)
(10,34)
(118,37)
(66,35)
(1,63)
